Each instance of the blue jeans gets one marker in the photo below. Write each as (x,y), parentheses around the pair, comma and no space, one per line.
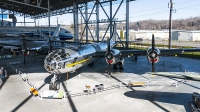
(3,77)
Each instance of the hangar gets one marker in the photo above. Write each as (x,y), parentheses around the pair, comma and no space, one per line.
(37,9)
(43,8)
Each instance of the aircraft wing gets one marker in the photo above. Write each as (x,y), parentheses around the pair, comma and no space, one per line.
(5,44)
(190,76)
(32,39)
(178,51)
(162,51)
(125,53)
(123,41)
(70,42)
(136,52)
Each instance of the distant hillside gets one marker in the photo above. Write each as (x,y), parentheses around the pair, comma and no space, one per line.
(192,23)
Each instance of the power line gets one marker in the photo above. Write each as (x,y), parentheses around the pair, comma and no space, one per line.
(165,11)
(158,7)
(188,6)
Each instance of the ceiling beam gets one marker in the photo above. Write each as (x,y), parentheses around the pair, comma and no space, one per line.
(28,4)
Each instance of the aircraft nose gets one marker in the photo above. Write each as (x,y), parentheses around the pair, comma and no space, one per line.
(50,66)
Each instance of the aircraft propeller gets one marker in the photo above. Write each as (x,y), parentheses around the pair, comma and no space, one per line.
(153,55)
(109,57)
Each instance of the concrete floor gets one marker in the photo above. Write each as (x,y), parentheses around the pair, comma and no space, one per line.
(159,96)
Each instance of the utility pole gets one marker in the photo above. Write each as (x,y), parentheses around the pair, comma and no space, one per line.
(170,5)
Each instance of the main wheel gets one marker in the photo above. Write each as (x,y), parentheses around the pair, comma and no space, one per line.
(114,66)
(56,86)
(121,65)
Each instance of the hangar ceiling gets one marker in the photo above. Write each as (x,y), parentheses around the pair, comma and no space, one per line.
(39,8)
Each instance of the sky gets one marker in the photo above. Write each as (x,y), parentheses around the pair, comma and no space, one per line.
(139,10)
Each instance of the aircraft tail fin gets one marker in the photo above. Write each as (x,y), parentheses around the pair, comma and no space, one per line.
(56,32)
(55,35)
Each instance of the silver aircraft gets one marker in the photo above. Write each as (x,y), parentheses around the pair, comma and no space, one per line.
(70,59)
(32,43)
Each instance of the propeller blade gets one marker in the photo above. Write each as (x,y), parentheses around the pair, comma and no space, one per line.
(153,66)
(153,48)
(153,42)
(109,69)
(108,45)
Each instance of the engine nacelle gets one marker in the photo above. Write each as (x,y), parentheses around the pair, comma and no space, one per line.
(153,56)
(112,57)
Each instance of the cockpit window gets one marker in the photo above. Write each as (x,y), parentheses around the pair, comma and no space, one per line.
(67,32)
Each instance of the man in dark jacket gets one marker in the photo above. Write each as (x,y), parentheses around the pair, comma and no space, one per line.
(3,73)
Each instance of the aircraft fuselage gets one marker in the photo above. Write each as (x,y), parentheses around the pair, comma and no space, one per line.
(14,43)
(69,59)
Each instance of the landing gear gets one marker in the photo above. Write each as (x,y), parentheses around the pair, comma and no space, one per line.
(136,58)
(56,86)
(53,84)
(121,65)
(114,66)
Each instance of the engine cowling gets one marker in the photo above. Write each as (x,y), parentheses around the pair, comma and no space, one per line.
(112,57)
(153,55)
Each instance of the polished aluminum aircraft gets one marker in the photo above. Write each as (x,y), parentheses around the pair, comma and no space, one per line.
(70,59)
(64,34)
(32,43)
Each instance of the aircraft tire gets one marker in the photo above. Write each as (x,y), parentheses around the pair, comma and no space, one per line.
(121,66)
(91,64)
(56,86)
(114,66)
(51,86)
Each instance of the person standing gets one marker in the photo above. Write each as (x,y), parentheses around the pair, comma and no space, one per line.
(3,73)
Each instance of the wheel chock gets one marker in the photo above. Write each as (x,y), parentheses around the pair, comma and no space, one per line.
(34,91)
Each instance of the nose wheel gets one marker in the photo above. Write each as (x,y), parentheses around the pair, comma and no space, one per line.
(53,84)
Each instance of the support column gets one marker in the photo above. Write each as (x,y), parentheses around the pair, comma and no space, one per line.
(24,20)
(14,23)
(86,21)
(111,19)
(76,31)
(50,46)
(97,18)
(35,22)
(2,17)
(127,23)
